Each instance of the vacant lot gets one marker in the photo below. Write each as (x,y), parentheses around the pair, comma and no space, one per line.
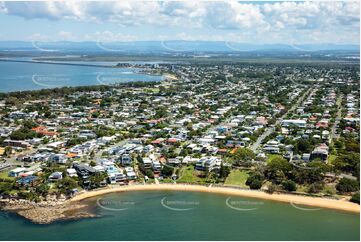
(187,174)
(237,178)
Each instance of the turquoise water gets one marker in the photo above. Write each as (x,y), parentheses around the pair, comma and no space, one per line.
(18,76)
(189,216)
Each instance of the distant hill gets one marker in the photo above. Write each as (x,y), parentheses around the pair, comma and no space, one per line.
(169,46)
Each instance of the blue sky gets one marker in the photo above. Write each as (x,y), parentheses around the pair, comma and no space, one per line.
(130,20)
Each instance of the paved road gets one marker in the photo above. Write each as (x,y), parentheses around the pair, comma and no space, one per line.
(227,120)
(258,142)
(12,160)
(271,129)
(338,118)
(99,153)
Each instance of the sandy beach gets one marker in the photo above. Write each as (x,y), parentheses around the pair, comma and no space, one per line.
(170,76)
(50,211)
(293,199)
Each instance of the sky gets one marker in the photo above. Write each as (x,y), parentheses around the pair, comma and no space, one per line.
(297,22)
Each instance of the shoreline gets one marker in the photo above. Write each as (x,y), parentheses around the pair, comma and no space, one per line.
(47,212)
(75,208)
(34,61)
(341,205)
(170,76)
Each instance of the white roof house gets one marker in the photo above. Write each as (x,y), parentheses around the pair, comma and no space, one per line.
(296,122)
(17,172)
(71,172)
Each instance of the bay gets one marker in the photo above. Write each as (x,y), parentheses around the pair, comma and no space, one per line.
(20,76)
(174,215)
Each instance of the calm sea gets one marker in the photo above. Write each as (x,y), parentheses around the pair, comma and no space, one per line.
(19,76)
(189,216)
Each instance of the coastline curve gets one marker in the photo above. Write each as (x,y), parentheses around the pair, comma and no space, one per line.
(286,198)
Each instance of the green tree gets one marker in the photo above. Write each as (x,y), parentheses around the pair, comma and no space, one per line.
(315,187)
(45,140)
(255,184)
(42,189)
(23,133)
(97,178)
(8,150)
(149,173)
(289,185)
(312,173)
(338,144)
(66,185)
(355,198)
(349,162)
(31,196)
(75,141)
(255,180)
(303,146)
(92,163)
(29,124)
(167,170)
(6,187)
(224,171)
(242,156)
(347,185)
(272,188)
(352,146)
(278,169)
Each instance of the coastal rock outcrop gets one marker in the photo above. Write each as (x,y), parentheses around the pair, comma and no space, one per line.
(47,212)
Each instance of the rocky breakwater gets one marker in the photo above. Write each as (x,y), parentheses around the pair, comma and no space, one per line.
(46,212)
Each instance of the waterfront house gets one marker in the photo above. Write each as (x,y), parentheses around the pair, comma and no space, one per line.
(71,172)
(59,158)
(17,172)
(126,160)
(55,176)
(115,175)
(130,173)
(207,163)
(84,170)
(28,181)
(156,167)
(147,163)
(320,152)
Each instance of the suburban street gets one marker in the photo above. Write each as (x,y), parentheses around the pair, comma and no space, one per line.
(338,118)
(272,128)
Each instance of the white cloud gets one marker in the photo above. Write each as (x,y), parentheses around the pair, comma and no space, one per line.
(314,14)
(2,8)
(279,19)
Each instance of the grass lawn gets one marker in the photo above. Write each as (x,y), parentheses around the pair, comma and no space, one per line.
(4,175)
(187,174)
(302,188)
(331,159)
(329,189)
(272,156)
(153,90)
(166,180)
(237,178)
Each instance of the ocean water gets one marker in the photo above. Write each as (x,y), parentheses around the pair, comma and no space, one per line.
(19,76)
(167,215)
